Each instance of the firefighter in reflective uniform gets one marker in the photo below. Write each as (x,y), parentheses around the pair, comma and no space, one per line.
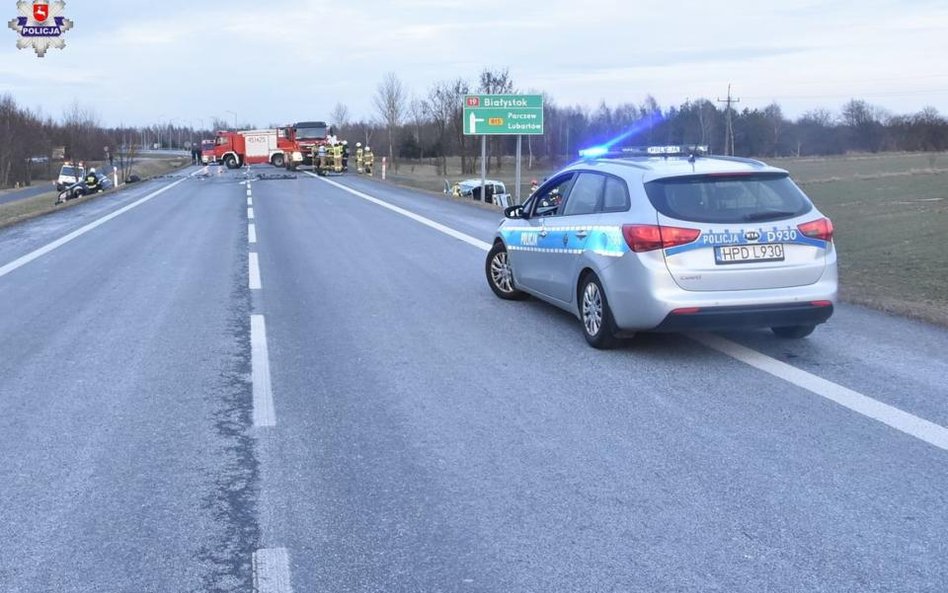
(337,158)
(345,156)
(319,161)
(359,158)
(92,181)
(369,159)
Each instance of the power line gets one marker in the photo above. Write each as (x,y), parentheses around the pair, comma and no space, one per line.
(729,129)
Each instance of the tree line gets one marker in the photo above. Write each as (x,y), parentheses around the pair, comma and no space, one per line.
(30,142)
(428,125)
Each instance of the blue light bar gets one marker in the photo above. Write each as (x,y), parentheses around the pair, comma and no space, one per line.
(593,152)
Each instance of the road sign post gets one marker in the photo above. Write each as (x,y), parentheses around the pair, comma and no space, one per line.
(502,115)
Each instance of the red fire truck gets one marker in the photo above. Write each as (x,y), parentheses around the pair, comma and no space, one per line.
(207,151)
(251,147)
(301,137)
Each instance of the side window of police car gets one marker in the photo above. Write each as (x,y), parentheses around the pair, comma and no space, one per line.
(616,196)
(550,199)
(586,195)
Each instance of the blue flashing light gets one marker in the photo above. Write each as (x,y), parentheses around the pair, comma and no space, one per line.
(593,152)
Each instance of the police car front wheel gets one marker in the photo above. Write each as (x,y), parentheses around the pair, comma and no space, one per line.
(500,274)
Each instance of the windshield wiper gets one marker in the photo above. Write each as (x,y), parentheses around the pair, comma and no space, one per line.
(768,215)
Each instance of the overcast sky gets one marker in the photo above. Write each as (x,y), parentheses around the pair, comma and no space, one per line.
(144,62)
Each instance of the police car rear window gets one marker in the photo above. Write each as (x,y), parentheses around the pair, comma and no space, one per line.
(728,198)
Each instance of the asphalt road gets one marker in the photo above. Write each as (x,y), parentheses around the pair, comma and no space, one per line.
(40,187)
(328,397)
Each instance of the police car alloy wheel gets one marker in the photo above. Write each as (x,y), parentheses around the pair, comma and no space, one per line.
(500,274)
(598,325)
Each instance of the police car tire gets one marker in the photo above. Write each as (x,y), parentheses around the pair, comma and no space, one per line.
(605,338)
(511,295)
(793,332)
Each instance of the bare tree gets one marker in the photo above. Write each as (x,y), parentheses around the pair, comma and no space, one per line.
(496,82)
(390,104)
(81,125)
(339,116)
(442,103)
(774,116)
(219,123)
(418,109)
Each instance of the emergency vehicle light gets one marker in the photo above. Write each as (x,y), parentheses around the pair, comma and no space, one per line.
(594,152)
(627,151)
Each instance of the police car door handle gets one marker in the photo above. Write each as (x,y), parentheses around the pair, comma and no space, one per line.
(581,233)
(543,232)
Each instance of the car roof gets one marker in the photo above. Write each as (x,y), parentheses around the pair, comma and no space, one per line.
(647,168)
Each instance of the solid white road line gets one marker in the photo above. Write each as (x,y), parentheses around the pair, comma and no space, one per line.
(931,433)
(255,283)
(22,261)
(910,424)
(251,233)
(425,221)
(263,411)
(250,213)
(271,571)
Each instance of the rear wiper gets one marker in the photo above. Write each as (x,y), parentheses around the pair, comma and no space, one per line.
(767,215)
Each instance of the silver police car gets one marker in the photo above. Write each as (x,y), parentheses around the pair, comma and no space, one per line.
(669,239)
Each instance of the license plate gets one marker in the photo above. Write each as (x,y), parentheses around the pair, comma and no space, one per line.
(740,254)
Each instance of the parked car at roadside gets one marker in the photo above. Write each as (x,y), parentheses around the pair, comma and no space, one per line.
(495,191)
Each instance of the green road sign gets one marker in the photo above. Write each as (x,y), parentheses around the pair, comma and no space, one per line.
(493,115)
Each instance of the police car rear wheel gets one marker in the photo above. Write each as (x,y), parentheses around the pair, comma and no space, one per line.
(500,274)
(793,332)
(598,324)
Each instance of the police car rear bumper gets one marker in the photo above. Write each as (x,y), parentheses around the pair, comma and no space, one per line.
(745,317)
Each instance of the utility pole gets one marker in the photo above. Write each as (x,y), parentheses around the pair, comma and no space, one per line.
(728,127)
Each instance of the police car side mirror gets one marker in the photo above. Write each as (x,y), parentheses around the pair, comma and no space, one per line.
(514,212)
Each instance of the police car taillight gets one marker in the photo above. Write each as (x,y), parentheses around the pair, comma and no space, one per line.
(821,229)
(648,237)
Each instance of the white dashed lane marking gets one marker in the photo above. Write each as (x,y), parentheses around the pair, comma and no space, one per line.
(271,571)
(251,233)
(255,283)
(264,414)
